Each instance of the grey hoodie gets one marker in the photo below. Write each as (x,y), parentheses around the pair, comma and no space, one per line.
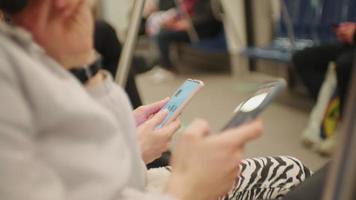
(59,141)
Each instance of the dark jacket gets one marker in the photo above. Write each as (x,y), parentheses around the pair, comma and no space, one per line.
(204,20)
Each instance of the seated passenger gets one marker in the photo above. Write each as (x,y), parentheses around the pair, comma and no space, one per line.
(173,26)
(311,63)
(62,141)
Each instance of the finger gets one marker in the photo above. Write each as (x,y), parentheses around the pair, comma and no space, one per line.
(171,128)
(239,136)
(158,118)
(198,129)
(155,107)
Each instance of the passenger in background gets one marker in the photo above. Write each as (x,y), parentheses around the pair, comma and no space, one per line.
(154,6)
(311,63)
(173,26)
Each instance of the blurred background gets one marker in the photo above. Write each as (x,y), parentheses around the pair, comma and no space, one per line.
(233,47)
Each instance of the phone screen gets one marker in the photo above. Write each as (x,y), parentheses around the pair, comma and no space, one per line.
(179,98)
(253,106)
(252,103)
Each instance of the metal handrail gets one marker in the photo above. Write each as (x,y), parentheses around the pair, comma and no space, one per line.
(130,43)
(289,24)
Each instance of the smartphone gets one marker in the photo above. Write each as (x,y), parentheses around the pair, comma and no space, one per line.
(249,109)
(180,99)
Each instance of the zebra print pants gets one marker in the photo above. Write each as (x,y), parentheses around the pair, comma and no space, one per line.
(260,178)
(268,178)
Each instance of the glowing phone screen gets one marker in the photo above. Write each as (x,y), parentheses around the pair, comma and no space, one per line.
(179,98)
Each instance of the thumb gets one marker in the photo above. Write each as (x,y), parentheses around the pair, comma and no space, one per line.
(155,107)
(158,118)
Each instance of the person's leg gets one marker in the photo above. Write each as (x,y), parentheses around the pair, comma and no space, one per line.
(164,40)
(344,65)
(311,188)
(260,178)
(268,178)
(311,64)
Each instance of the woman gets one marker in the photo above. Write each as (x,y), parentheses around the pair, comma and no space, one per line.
(60,140)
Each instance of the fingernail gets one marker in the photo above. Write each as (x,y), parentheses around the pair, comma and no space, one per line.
(165,110)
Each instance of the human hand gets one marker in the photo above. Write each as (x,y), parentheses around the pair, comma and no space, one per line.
(177,25)
(169,22)
(205,167)
(153,142)
(143,113)
(68,36)
(181,25)
(345,32)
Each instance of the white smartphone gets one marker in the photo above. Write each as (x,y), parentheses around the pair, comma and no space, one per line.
(180,99)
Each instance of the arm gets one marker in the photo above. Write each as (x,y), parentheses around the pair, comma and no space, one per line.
(23,174)
(152,142)
(29,169)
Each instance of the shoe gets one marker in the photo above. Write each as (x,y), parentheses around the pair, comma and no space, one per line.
(160,75)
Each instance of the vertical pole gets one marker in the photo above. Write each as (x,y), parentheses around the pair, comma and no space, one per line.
(130,43)
(248,5)
(341,181)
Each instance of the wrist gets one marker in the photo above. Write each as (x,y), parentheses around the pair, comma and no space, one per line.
(180,190)
(89,73)
(97,79)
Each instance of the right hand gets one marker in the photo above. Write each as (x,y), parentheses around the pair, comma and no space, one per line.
(345,32)
(205,168)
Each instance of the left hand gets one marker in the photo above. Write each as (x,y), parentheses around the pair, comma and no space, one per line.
(68,38)
(153,142)
(346,31)
(143,113)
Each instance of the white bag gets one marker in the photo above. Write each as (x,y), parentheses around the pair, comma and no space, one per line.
(314,134)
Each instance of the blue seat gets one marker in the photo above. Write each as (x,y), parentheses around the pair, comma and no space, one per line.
(303,15)
(351,11)
(332,14)
(311,21)
(217,44)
